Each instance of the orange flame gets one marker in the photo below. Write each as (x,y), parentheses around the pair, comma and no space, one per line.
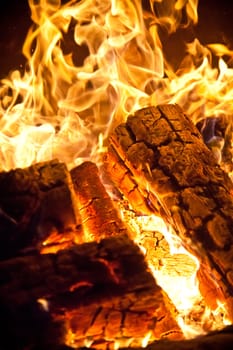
(65,104)
(61,105)
(175,271)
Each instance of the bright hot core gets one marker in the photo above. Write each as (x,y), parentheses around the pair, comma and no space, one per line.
(64,106)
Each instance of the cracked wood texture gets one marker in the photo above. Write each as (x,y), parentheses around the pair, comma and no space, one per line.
(97,291)
(165,154)
(218,340)
(99,216)
(35,202)
(126,184)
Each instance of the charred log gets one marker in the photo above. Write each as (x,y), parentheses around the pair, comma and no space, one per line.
(169,161)
(97,291)
(35,202)
(99,216)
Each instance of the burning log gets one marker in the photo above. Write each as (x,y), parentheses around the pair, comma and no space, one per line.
(126,183)
(34,202)
(99,216)
(169,161)
(97,291)
(213,341)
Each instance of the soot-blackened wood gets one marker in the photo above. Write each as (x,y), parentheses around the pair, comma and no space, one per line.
(34,202)
(98,291)
(168,159)
(99,216)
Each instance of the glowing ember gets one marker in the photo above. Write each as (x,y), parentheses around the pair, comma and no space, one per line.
(175,271)
(63,108)
(44,304)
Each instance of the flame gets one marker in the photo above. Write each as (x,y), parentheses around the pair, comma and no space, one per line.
(44,304)
(90,63)
(64,102)
(175,271)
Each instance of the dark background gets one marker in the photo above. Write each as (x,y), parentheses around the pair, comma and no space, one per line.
(215,25)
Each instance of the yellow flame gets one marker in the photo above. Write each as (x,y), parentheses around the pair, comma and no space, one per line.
(175,271)
(63,102)
(44,303)
(92,62)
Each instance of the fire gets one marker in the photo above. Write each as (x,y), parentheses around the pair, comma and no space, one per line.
(175,271)
(62,103)
(64,106)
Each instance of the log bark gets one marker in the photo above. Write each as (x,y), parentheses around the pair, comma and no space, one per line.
(168,159)
(98,291)
(35,202)
(99,216)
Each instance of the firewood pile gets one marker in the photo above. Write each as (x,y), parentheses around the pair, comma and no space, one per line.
(72,275)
